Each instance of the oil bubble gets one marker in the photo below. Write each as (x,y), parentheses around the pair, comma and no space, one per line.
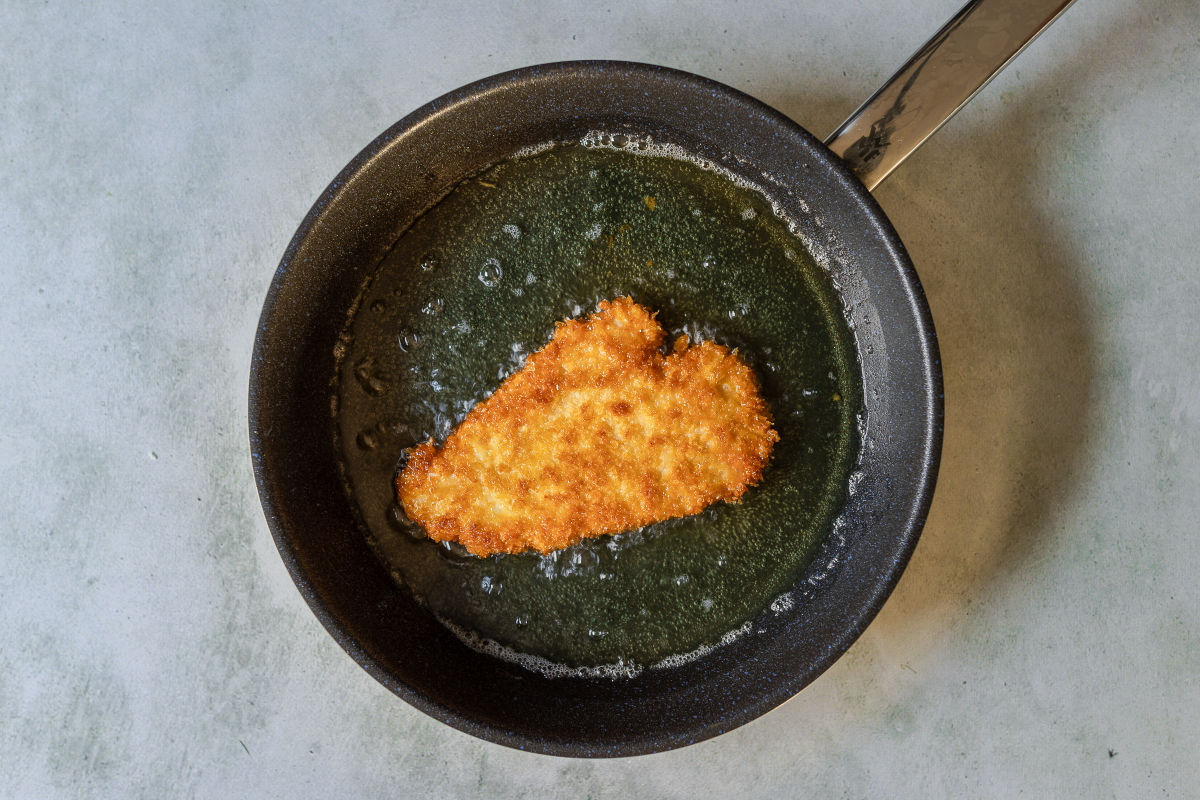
(430,262)
(593,233)
(490,585)
(371,382)
(408,341)
(454,553)
(749,213)
(708,262)
(512,230)
(783,603)
(579,562)
(490,273)
(434,306)
(400,521)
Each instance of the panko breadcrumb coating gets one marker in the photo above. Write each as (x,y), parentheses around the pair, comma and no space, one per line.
(597,433)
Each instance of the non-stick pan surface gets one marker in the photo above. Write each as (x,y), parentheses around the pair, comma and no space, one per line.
(350,230)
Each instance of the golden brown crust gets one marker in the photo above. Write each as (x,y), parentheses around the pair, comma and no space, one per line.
(597,433)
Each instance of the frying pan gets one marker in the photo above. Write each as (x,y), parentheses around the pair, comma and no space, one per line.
(824,190)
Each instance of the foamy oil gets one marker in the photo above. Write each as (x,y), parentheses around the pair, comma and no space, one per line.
(477,283)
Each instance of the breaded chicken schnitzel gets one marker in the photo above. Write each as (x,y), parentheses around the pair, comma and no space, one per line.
(597,433)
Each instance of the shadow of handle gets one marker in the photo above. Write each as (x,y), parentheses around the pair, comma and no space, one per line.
(937,81)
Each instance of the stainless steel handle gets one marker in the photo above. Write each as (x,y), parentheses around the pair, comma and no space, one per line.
(937,81)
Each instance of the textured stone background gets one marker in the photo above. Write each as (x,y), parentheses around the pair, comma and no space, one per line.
(154,161)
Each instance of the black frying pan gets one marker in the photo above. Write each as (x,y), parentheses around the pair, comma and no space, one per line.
(406,170)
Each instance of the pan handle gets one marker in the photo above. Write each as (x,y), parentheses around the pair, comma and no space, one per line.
(937,81)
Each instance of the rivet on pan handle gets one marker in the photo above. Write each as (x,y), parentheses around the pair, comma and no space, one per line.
(937,81)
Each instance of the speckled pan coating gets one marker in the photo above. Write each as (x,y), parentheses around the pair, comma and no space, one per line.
(351,227)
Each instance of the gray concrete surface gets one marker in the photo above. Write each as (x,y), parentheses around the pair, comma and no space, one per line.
(155,159)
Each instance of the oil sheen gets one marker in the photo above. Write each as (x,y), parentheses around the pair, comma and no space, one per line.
(477,283)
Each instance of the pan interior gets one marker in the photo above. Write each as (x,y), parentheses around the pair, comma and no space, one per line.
(477,283)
